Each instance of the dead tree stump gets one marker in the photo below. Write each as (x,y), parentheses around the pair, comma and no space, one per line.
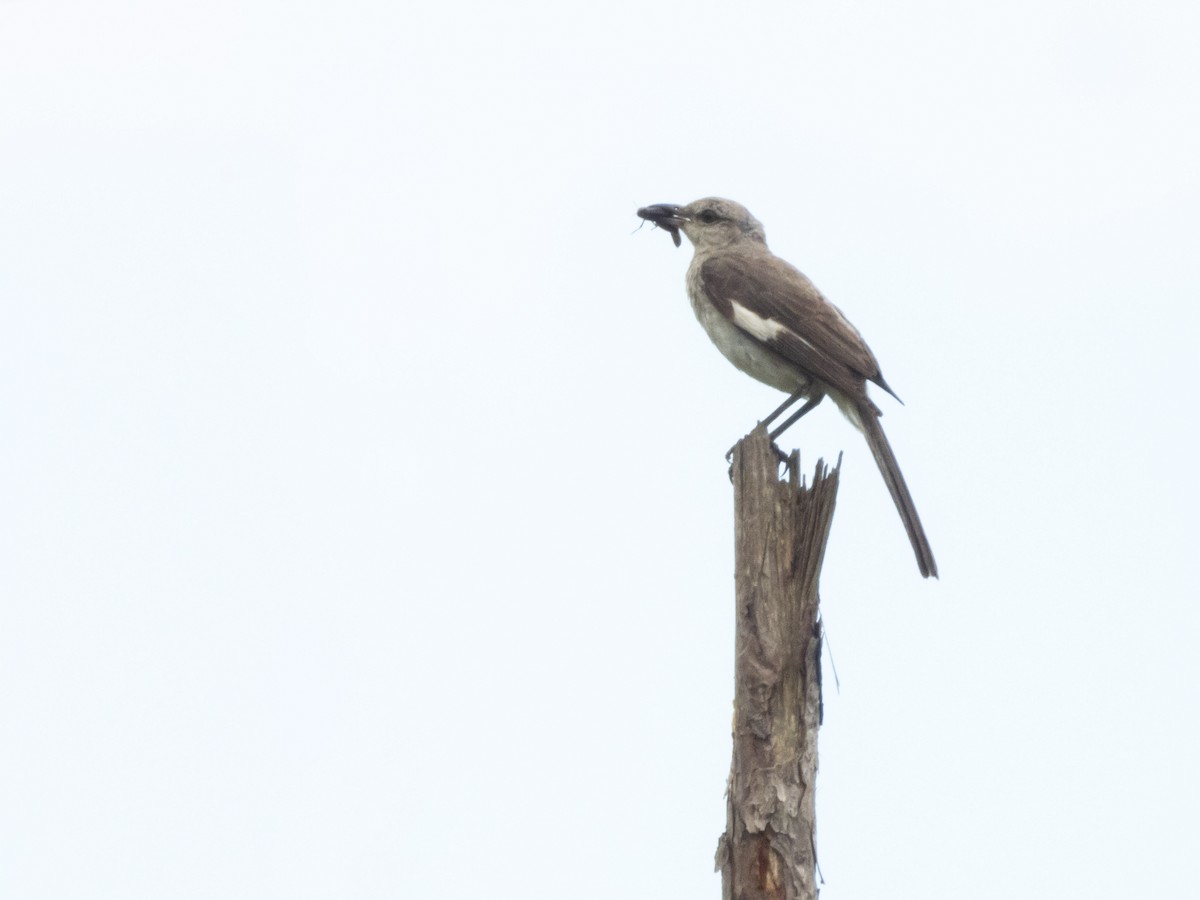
(768,851)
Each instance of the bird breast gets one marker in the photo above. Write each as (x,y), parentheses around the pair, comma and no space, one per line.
(750,355)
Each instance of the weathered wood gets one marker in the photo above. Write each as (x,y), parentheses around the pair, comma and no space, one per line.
(768,851)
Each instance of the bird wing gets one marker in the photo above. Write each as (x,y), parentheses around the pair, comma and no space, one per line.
(775,303)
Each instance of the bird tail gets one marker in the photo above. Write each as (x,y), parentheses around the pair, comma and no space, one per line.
(886,460)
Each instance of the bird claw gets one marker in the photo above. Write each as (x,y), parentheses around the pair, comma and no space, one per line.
(783,457)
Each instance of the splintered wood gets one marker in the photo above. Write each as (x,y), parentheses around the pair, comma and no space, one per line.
(768,851)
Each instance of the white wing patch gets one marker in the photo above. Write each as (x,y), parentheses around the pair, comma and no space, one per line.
(756,326)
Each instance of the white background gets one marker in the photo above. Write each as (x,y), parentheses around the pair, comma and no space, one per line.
(364,527)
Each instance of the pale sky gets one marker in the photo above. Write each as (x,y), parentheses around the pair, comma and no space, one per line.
(364,526)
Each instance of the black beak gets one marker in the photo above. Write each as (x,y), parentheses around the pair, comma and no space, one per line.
(665,216)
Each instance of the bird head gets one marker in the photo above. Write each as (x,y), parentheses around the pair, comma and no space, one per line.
(710,224)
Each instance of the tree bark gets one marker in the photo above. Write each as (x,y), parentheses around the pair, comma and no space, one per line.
(768,851)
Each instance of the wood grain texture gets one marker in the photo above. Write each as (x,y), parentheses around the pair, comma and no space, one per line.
(781,528)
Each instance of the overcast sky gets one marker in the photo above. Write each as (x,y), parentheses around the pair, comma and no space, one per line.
(364,526)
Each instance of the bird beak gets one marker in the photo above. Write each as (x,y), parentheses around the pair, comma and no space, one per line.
(665,216)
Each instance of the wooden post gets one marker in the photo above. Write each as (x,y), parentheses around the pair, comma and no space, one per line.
(768,851)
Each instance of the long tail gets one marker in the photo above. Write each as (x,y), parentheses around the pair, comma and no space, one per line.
(886,460)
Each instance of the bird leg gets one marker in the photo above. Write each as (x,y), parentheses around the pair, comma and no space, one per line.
(796,416)
(780,410)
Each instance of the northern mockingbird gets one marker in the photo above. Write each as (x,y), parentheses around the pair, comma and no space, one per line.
(771,322)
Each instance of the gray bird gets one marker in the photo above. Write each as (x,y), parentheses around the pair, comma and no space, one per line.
(771,322)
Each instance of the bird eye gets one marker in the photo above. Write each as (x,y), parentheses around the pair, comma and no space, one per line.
(708,217)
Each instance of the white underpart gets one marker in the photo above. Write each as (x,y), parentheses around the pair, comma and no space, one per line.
(769,369)
(741,340)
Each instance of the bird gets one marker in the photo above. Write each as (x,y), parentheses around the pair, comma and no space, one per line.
(769,320)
